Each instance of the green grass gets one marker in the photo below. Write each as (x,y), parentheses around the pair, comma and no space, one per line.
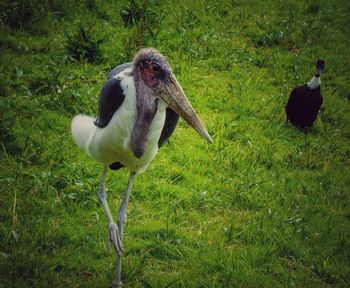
(264,206)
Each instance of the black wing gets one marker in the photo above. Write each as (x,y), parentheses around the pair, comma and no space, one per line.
(115,71)
(111,97)
(292,103)
(295,103)
(170,123)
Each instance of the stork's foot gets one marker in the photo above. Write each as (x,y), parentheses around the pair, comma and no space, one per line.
(117,284)
(114,239)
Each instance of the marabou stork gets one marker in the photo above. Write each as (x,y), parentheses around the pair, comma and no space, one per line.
(305,101)
(139,107)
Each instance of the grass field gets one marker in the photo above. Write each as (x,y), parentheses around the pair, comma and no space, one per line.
(264,206)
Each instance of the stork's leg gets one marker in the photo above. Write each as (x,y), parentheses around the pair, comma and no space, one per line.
(121,223)
(113,233)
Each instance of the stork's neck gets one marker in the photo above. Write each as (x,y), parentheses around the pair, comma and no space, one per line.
(315,81)
(146,109)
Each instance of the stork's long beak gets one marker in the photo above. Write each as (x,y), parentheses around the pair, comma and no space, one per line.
(176,99)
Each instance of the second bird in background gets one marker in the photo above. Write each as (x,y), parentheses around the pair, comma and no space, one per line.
(305,101)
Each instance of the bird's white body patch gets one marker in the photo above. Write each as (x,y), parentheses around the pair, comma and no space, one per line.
(314,83)
(113,142)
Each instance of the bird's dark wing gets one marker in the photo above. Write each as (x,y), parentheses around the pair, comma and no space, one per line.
(314,105)
(115,71)
(292,102)
(170,123)
(295,108)
(111,97)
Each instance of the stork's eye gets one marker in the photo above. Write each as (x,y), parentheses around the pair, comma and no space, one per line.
(155,67)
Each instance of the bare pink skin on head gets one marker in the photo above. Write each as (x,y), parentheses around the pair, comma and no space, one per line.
(148,72)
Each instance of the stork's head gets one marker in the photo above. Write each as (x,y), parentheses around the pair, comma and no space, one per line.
(320,63)
(156,74)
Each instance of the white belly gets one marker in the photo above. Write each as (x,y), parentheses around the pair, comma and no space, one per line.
(113,142)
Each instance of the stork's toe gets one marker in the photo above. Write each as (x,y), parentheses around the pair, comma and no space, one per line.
(117,284)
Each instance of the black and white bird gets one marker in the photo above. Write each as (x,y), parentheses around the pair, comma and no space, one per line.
(305,101)
(139,107)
